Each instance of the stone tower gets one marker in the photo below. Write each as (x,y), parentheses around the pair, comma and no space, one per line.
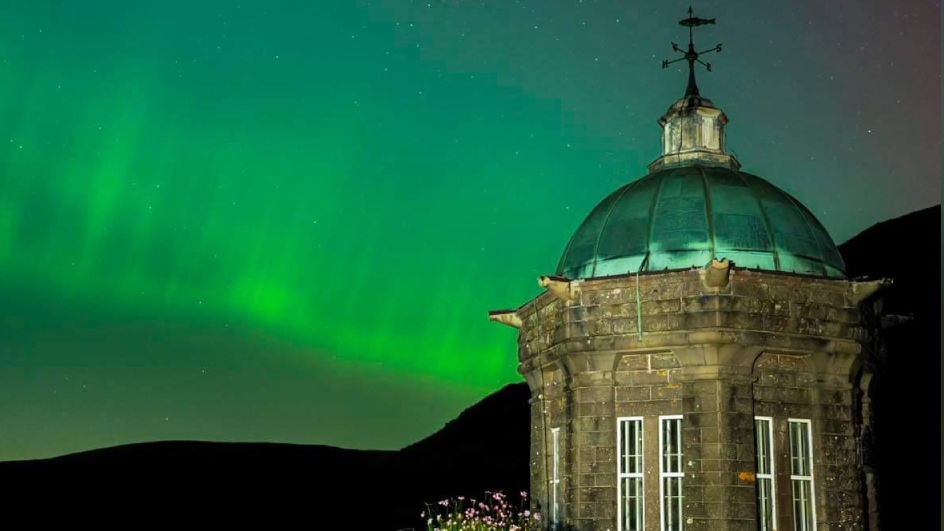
(696,361)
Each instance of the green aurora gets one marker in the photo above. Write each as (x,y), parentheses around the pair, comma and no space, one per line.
(286,221)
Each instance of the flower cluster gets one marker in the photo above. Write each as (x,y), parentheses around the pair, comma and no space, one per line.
(493,513)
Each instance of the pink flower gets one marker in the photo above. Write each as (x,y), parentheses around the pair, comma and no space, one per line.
(527,513)
(537,517)
(524,494)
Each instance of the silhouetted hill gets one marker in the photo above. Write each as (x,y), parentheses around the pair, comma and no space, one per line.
(188,456)
(485,448)
(906,383)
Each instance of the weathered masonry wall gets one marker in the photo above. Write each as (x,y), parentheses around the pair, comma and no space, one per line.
(718,353)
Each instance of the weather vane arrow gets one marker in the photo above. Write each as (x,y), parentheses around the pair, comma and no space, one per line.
(691,55)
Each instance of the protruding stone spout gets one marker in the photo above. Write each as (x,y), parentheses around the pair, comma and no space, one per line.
(864,290)
(505,317)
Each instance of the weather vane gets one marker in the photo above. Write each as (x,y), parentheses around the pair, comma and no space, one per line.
(691,55)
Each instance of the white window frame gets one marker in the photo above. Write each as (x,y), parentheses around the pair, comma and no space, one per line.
(555,478)
(663,474)
(620,475)
(809,441)
(772,476)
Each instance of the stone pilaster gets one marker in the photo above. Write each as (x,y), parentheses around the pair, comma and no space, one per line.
(594,487)
(718,438)
(835,449)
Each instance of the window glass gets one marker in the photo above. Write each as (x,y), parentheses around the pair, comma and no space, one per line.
(763,437)
(631,499)
(671,475)
(801,475)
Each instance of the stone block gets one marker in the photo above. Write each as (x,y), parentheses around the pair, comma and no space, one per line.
(666,392)
(594,423)
(807,310)
(663,361)
(842,315)
(591,409)
(701,303)
(835,412)
(599,327)
(655,323)
(605,453)
(836,427)
(633,394)
(788,293)
(778,379)
(594,394)
(738,431)
(597,495)
(660,377)
(611,311)
(702,388)
(630,362)
(623,378)
(605,480)
(766,409)
(710,433)
(586,510)
(669,290)
(625,325)
(698,320)
(805,379)
(676,321)
(603,296)
(828,297)
(578,329)
(596,467)
(701,420)
(700,404)
(651,408)
(597,438)
(658,307)
(744,321)
(754,290)
(796,395)
(691,435)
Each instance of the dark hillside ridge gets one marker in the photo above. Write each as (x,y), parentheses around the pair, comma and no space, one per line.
(907,380)
(485,448)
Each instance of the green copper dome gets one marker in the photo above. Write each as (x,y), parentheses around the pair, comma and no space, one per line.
(687,214)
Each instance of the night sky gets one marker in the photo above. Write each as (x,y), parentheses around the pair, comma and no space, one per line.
(285,221)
